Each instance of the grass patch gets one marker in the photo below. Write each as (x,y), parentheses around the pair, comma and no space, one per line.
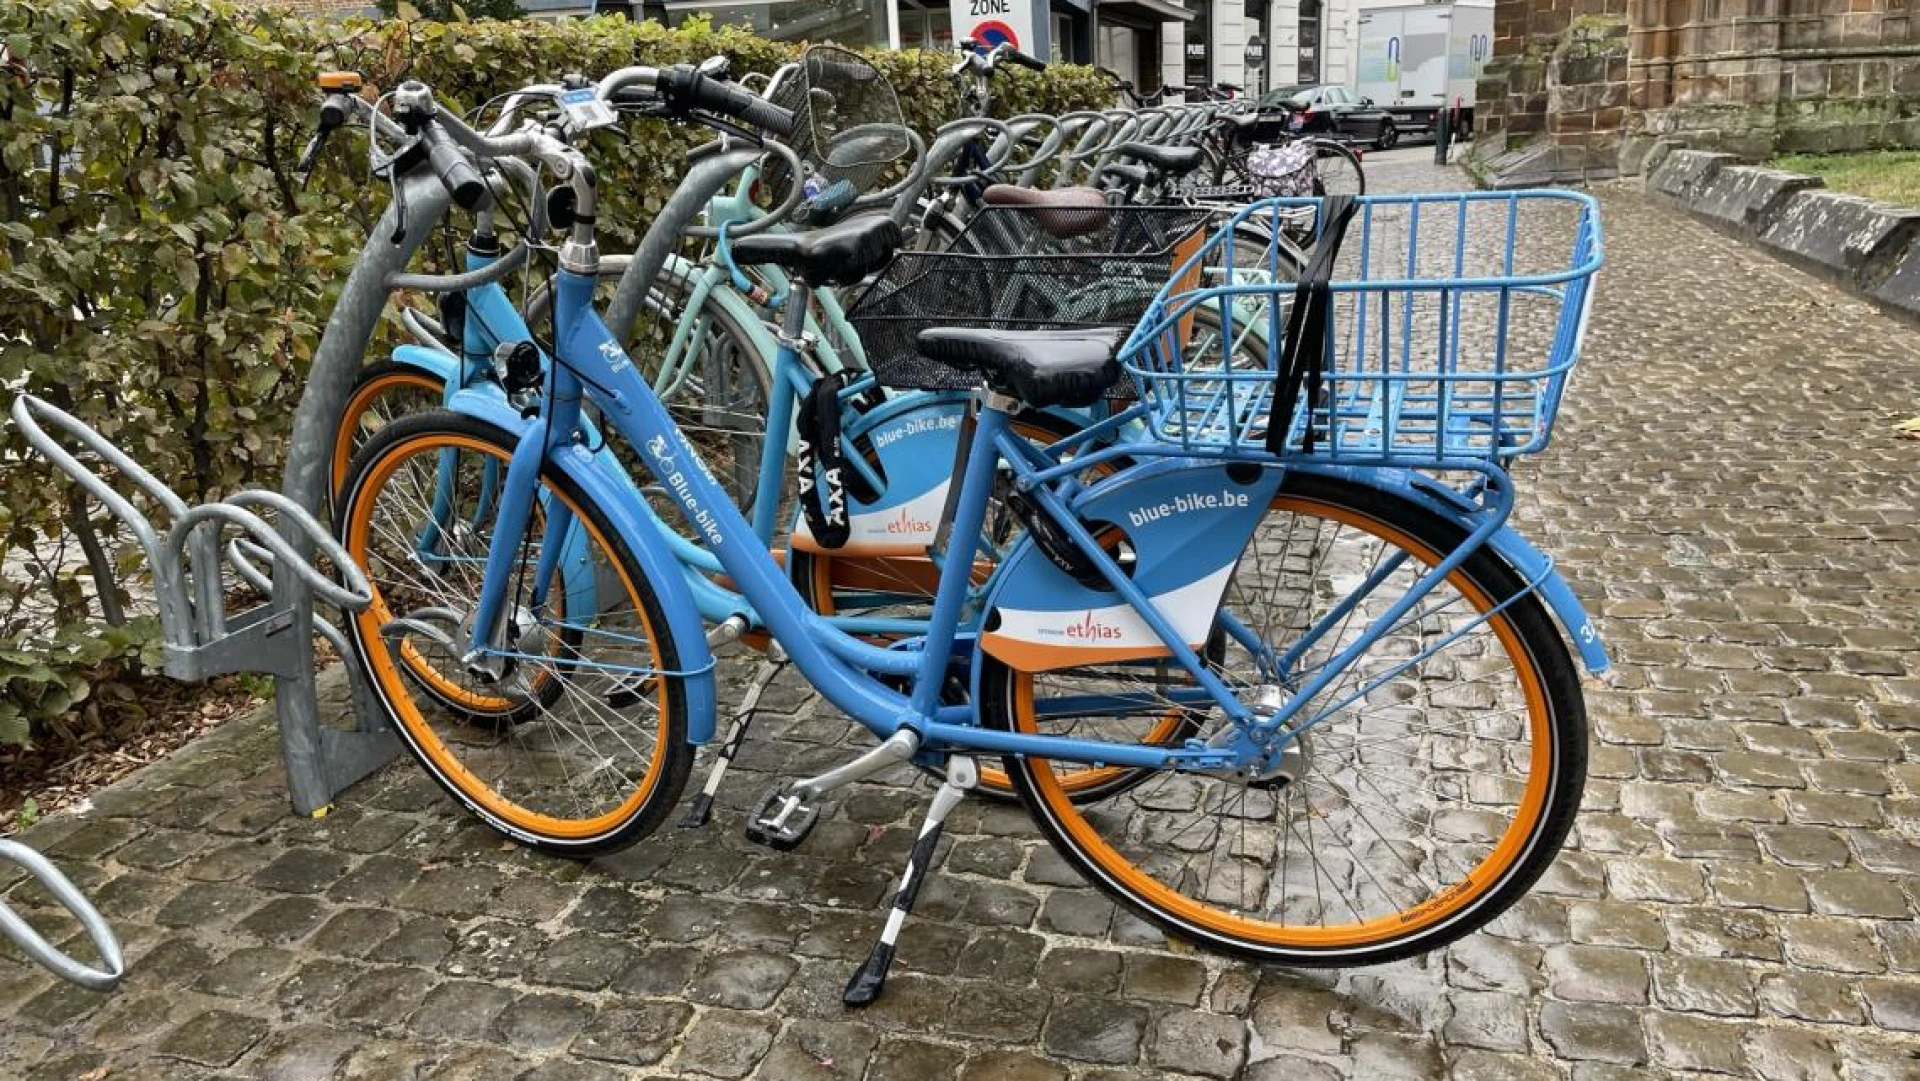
(1892,176)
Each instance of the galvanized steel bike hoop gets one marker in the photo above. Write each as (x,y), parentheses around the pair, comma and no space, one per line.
(1456,319)
(22,934)
(186,557)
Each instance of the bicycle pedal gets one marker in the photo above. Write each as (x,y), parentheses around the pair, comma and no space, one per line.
(781,821)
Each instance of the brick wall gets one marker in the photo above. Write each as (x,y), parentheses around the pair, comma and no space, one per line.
(1554,100)
(1755,77)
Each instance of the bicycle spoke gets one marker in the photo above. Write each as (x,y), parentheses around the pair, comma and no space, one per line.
(544,733)
(1412,771)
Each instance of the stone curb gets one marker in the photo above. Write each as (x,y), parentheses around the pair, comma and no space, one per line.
(1866,247)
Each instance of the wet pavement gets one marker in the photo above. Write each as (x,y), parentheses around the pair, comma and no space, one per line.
(1727,493)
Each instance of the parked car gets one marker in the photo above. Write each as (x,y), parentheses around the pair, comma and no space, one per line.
(1332,111)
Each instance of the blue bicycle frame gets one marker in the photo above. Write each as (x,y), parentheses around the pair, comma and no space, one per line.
(592,364)
(493,319)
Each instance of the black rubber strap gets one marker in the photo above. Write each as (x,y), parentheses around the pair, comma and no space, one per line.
(1309,327)
(453,320)
(822,463)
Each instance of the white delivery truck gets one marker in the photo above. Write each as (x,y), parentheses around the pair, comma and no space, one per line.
(1418,59)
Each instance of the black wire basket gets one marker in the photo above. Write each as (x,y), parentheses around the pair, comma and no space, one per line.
(848,123)
(1021,268)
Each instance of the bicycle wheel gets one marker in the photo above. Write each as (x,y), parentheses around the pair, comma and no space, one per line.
(1337,169)
(601,754)
(383,393)
(1438,780)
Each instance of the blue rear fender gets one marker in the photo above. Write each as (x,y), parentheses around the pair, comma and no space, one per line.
(435,362)
(1527,561)
(613,494)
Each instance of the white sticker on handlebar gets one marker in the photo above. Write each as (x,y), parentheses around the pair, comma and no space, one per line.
(584,109)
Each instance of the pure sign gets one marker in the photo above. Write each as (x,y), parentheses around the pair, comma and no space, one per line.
(990,22)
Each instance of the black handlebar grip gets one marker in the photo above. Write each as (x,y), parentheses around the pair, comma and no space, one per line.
(767,116)
(735,100)
(684,87)
(1031,63)
(333,112)
(462,180)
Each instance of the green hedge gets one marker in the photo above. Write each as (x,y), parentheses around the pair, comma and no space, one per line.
(164,274)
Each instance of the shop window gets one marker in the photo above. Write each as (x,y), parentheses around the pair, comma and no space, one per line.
(845,22)
(925,24)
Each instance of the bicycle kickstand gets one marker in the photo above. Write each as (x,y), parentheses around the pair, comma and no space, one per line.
(702,809)
(865,986)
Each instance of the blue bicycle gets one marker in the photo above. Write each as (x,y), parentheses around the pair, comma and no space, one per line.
(1309,567)
(894,455)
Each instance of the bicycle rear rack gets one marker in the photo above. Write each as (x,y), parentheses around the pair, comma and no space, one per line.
(201,638)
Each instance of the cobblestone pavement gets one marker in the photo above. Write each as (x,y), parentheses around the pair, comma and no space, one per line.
(1738,899)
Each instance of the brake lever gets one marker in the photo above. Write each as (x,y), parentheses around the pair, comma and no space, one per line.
(727,127)
(395,168)
(311,158)
(655,109)
(332,116)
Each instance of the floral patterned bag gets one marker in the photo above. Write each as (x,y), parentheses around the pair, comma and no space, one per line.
(1282,169)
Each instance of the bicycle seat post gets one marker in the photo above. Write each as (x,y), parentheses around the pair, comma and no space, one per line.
(793,321)
(981,401)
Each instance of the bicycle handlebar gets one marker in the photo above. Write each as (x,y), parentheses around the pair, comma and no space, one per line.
(684,86)
(972,59)
(462,180)
(1005,51)
(445,141)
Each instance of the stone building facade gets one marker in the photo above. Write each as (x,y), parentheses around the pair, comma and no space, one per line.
(1589,87)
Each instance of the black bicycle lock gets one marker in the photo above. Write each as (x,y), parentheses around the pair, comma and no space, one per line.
(821,462)
(1309,328)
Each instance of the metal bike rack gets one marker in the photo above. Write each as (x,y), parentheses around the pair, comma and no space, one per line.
(277,637)
(38,948)
(321,761)
(201,638)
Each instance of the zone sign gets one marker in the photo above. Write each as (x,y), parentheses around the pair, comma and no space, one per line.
(990,22)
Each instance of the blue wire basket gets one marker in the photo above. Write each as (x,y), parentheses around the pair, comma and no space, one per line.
(1454,321)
